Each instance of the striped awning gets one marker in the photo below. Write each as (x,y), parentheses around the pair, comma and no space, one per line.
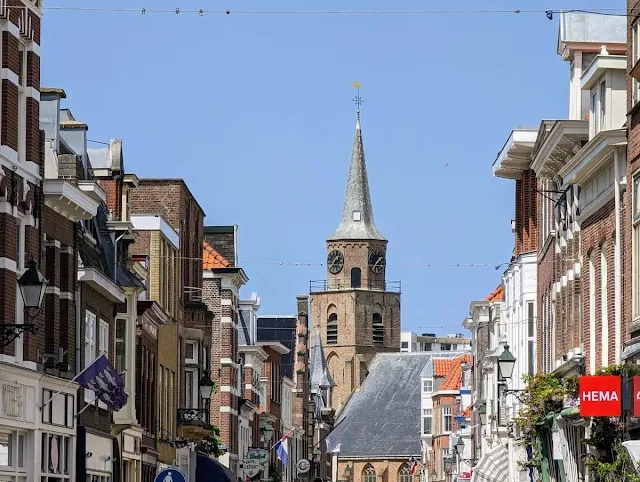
(493,466)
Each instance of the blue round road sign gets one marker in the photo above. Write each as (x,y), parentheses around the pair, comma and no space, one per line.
(170,475)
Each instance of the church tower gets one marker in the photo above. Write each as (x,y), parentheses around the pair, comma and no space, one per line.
(356,311)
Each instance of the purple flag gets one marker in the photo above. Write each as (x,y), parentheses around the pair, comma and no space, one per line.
(106,383)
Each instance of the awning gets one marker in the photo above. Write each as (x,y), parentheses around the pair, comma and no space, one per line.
(209,470)
(493,466)
(633,447)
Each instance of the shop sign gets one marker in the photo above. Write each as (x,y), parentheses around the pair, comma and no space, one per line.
(600,396)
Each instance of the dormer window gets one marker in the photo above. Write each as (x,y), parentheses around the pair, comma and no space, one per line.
(356,215)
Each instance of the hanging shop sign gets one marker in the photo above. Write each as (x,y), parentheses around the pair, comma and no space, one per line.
(600,396)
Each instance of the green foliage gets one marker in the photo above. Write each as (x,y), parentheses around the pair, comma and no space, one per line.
(608,460)
(544,393)
(210,445)
(274,473)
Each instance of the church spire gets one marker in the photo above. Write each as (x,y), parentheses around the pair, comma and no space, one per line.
(357,214)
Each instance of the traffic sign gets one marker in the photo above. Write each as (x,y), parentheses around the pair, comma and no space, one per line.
(303,466)
(170,474)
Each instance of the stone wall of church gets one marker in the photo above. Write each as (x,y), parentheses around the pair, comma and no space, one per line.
(349,357)
(385,470)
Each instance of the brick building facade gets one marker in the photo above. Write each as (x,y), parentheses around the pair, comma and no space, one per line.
(222,280)
(167,208)
(631,225)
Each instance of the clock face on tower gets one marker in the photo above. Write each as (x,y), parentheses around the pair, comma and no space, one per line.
(335,261)
(377,262)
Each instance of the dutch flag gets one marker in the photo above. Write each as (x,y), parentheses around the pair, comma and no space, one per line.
(281,448)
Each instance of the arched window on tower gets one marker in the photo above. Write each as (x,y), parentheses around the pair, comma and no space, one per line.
(369,474)
(332,329)
(356,278)
(378,329)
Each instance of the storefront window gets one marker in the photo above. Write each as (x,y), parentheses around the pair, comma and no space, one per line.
(12,448)
(56,456)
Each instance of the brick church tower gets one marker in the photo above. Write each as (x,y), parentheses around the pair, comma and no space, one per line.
(356,310)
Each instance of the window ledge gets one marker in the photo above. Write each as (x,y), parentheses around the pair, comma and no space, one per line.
(635,71)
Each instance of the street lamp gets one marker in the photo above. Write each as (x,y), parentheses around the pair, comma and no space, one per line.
(33,286)
(347,472)
(460,445)
(206,386)
(316,456)
(506,363)
(267,432)
(483,413)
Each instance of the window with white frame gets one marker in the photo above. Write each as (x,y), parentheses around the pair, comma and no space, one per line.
(603,106)
(22,103)
(90,322)
(104,338)
(447,419)
(191,389)
(595,110)
(56,458)
(121,344)
(427,420)
(635,56)
(636,244)
(191,352)
(604,299)
(546,208)
(427,385)
(531,330)
(13,456)
(98,478)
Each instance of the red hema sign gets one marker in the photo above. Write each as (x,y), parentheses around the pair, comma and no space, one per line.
(600,396)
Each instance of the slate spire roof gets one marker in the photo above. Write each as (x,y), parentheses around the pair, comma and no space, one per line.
(357,215)
(320,376)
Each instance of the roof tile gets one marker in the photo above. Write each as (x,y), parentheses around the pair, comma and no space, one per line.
(442,366)
(211,258)
(496,295)
(453,380)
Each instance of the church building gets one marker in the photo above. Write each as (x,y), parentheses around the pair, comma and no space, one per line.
(355,312)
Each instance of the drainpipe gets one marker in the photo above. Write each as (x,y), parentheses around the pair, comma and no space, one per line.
(617,255)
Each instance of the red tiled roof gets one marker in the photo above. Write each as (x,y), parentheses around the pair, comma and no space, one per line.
(442,366)
(496,295)
(453,380)
(211,258)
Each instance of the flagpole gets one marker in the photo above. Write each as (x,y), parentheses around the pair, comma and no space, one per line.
(70,382)
(284,437)
(86,406)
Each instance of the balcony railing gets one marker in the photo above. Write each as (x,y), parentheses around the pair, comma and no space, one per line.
(341,285)
(192,416)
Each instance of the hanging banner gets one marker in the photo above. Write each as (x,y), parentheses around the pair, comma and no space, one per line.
(600,396)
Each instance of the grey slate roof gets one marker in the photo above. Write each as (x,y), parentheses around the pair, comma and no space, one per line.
(320,376)
(383,418)
(358,199)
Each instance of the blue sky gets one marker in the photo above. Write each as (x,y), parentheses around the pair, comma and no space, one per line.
(255,113)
